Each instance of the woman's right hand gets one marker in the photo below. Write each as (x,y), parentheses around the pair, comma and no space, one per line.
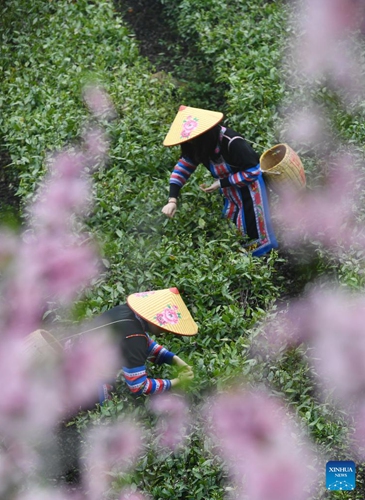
(169,209)
(184,377)
(209,189)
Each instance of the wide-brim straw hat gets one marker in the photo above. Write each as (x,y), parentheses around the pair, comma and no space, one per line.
(165,309)
(189,123)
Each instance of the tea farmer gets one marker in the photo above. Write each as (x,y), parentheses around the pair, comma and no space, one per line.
(233,163)
(152,312)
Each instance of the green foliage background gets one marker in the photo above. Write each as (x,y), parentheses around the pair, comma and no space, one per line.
(229,56)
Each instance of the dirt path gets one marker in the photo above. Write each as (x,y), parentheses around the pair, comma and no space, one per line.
(147,20)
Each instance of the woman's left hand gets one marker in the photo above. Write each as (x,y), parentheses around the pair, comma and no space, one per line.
(209,189)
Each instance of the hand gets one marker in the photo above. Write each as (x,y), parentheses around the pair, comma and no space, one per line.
(184,377)
(186,374)
(169,209)
(209,189)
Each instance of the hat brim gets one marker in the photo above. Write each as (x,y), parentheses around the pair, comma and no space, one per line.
(164,309)
(190,123)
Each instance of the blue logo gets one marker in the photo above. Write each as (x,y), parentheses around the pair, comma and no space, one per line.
(341,475)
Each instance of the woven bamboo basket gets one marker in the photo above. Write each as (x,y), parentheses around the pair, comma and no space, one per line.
(282,168)
(42,344)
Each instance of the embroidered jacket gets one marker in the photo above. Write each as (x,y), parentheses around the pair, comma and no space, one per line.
(237,167)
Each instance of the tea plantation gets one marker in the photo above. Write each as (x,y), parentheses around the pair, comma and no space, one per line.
(231,56)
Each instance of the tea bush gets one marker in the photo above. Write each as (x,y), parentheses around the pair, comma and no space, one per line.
(48,51)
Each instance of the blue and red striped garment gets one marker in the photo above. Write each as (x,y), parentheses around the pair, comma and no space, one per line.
(135,347)
(136,377)
(237,167)
(182,171)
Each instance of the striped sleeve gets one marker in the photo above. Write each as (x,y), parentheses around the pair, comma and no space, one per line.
(158,354)
(138,382)
(242,178)
(182,171)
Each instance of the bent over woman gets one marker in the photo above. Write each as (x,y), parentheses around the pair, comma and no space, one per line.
(235,166)
(155,312)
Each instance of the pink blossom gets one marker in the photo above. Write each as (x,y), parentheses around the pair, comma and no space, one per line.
(46,269)
(346,73)
(38,493)
(28,388)
(110,448)
(22,458)
(67,164)
(64,267)
(91,361)
(8,247)
(131,495)
(48,262)
(144,294)
(306,127)
(286,327)
(173,423)
(17,461)
(98,101)
(358,437)
(64,200)
(97,146)
(325,215)
(338,341)
(262,446)
(331,322)
(325,23)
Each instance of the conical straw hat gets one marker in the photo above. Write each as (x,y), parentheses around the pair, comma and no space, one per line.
(164,308)
(189,123)
(41,344)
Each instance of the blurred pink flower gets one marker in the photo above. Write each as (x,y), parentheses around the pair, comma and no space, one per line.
(17,461)
(261,445)
(358,437)
(346,72)
(51,262)
(67,164)
(47,268)
(289,326)
(338,341)
(65,267)
(21,458)
(173,422)
(325,23)
(27,389)
(48,262)
(8,247)
(131,495)
(331,323)
(305,127)
(97,146)
(111,448)
(91,361)
(98,101)
(64,199)
(325,215)
(39,493)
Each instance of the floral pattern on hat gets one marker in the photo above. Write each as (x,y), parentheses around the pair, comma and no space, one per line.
(188,126)
(169,315)
(144,294)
